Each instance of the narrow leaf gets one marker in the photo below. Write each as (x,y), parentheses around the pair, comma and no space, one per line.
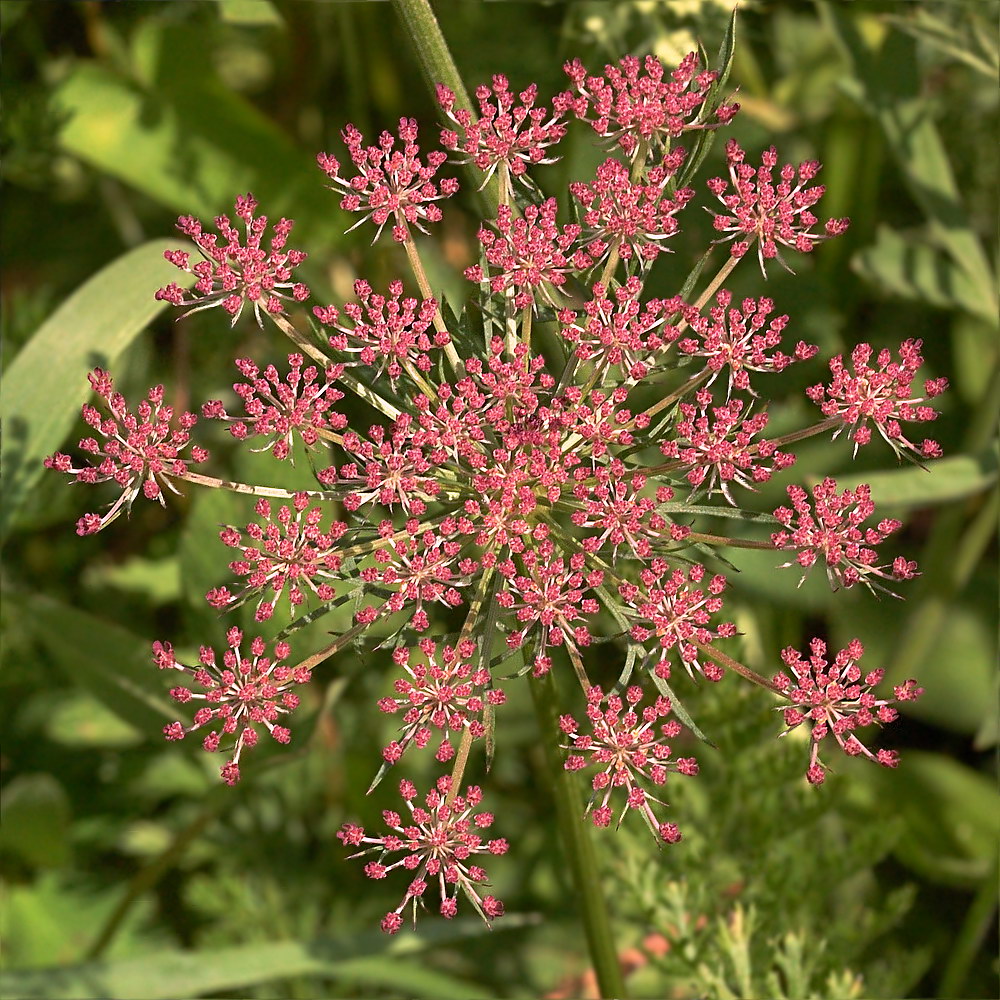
(45,386)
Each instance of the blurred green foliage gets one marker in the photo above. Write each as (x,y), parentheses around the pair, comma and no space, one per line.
(128,872)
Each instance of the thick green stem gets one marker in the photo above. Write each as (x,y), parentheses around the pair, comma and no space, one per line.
(578,844)
(438,66)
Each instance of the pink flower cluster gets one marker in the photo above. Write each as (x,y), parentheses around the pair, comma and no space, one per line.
(139,452)
(836,699)
(496,511)
(235,273)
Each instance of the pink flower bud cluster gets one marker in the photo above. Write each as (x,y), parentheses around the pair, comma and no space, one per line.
(629,749)
(234,273)
(881,395)
(768,212)
(283,409)
(283,553)
(392,184)
(509,130)
(241,696)
(384,332)
(434,843)
(836,699)
(831,530)
(140,452)
(638,104)
(445,693)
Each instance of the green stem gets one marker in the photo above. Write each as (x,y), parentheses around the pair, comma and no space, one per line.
(147,877)
(736,543)
(416,265)
(255,491)
(727,661)
(578,844)
(974,928)
(438,66)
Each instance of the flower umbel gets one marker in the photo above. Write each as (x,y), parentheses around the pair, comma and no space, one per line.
(881,395)
(758,209)
(139,451)
(242,693)
(831,529)
(233,274)
(836,699)
(630,749)
(506,132)
(436,845)
(492,505)
(283,409)
(285,552)
(391,183)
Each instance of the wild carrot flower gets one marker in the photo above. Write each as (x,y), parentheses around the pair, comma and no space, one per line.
(435,843)
(286,551)
(516,134)
(243,693)
(232,274)
(282,408)
(528,254)
(633,219)
(881,396)
(424,569)
(445,693)
(630,749)
(391,183)
(837,700)
(616,511)
(138,451)
(506,485)
(384,332)
(735,337)
(758,209)
(549,594)
(640,105)
(831,529)
(671,611)
(715,452)
(622,331)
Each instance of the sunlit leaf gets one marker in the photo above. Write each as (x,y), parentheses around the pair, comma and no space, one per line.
(45,386)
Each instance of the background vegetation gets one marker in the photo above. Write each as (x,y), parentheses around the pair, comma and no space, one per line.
(127,871)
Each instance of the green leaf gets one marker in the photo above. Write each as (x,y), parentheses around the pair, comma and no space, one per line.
(951,814)
(186,139)
(249,12)
(957,670)
(52,919)
(34,820)
(80,720)
(887,85)
(111,663)
(918,271)
(45,386)
(372,959)
(949,479)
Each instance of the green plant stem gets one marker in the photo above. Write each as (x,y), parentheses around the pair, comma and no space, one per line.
(577,843)
(147,877)
(416,265)
(974,928)
(727,661)
(437,66)
(197,479)
(736,543)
